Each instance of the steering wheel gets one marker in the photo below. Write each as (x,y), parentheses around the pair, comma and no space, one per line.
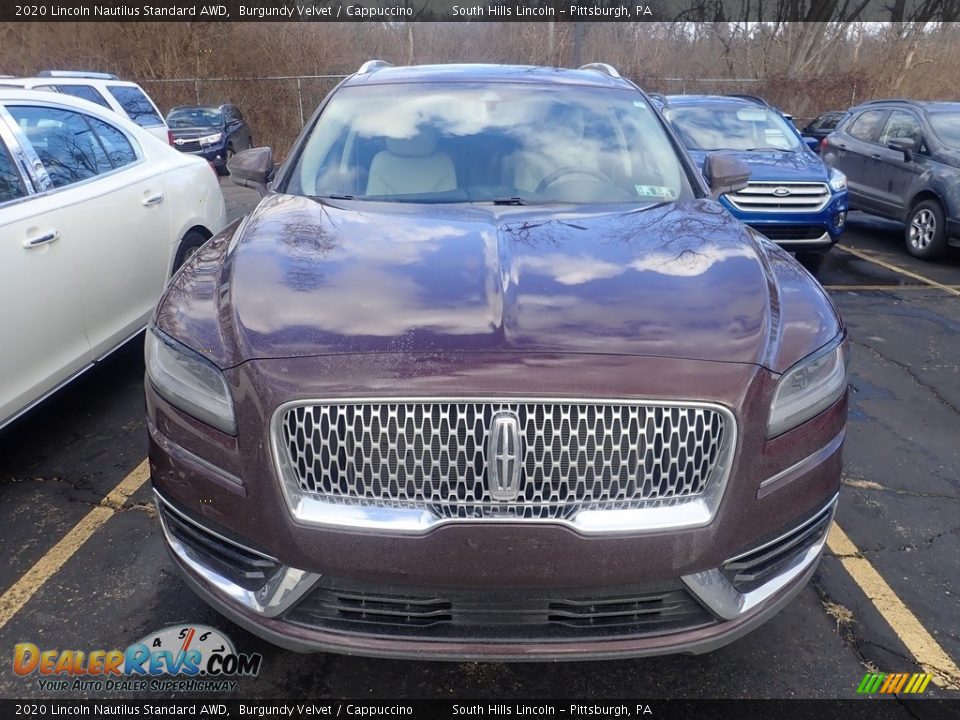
(571,170)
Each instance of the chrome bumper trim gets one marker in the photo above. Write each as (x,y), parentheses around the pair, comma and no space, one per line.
(824,239)
(716,592)
(181,454)
(683,514)
(787,475)
(286,587)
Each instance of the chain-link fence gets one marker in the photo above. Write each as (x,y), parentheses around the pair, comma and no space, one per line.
(276,107)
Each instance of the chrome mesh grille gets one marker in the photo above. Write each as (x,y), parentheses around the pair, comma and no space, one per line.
(781,197)
(432,455)
(188,145)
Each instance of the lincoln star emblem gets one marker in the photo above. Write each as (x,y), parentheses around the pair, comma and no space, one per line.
(781,191)
(503,456)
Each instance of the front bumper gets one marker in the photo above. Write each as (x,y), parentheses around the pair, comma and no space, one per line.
(214,154)
(799,231)
(231,489)
(283,612)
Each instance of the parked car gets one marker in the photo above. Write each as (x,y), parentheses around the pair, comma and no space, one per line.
(95,213)
(823,125)
(215,133)
(760,101)
(792,197)
(489,373)
(902,160)
(127,99)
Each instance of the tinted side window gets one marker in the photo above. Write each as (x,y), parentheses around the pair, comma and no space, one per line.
(11,184)
(901,125)
(866,125)
(830,122)
(85,92)
(136,105)
(45,88)
(64,142)
(116,145)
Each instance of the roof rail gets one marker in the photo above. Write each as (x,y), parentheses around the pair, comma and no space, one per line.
(752,98)
(890,100)
(371,65)
(77,74)
(604,68)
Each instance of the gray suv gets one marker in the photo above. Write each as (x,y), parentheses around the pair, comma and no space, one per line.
(902,161)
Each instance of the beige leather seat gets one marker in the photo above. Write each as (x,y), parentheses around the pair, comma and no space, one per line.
(411,166)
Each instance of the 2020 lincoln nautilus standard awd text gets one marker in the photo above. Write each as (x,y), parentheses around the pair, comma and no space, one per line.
(489,373)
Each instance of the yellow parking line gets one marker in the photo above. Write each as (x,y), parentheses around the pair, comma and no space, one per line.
(869,257)
(20,593)
(931,657)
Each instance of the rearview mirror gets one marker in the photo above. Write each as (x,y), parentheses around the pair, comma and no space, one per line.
(252,168)
(904,145)
(812,143)
(725,174)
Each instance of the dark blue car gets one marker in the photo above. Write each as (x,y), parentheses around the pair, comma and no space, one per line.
(793,197)
(213,132)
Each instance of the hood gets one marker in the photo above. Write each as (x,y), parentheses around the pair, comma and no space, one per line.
(776,165)
(301,278)
(194,132)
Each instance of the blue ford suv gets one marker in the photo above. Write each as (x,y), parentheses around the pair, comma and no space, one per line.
(792,197)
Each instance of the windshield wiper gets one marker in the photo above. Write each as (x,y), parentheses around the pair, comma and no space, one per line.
(336,196)
(509,201)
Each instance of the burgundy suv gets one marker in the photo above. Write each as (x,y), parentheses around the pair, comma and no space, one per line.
(489,373)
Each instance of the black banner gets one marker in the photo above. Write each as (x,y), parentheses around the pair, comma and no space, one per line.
(480,11)
(876,709)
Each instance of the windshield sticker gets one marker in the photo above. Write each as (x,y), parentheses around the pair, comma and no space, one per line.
(657,191)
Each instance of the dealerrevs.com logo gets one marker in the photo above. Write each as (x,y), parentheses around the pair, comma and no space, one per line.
(187,658)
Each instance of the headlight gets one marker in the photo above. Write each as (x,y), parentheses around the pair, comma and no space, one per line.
(838,181)
(210,139)
(807,389)
(189,381)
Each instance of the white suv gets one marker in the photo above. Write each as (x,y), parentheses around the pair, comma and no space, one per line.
(95,214)
(125,98)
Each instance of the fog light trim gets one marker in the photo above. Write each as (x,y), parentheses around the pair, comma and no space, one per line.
(281,591)
(720,596)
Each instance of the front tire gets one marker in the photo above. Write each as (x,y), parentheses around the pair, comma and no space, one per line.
(230,152)
(191,242)
(926,231)
(812,261)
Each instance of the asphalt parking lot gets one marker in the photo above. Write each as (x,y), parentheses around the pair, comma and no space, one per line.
(887,600)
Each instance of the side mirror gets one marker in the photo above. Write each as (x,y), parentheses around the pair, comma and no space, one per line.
(904,145)
(252,168)
(812,143)
(725,174)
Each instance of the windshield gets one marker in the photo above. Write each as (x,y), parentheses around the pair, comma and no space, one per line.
(946,124)
(732,127)
(490,142)
(194,117)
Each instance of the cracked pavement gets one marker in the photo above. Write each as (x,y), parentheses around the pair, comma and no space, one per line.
(898,505)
